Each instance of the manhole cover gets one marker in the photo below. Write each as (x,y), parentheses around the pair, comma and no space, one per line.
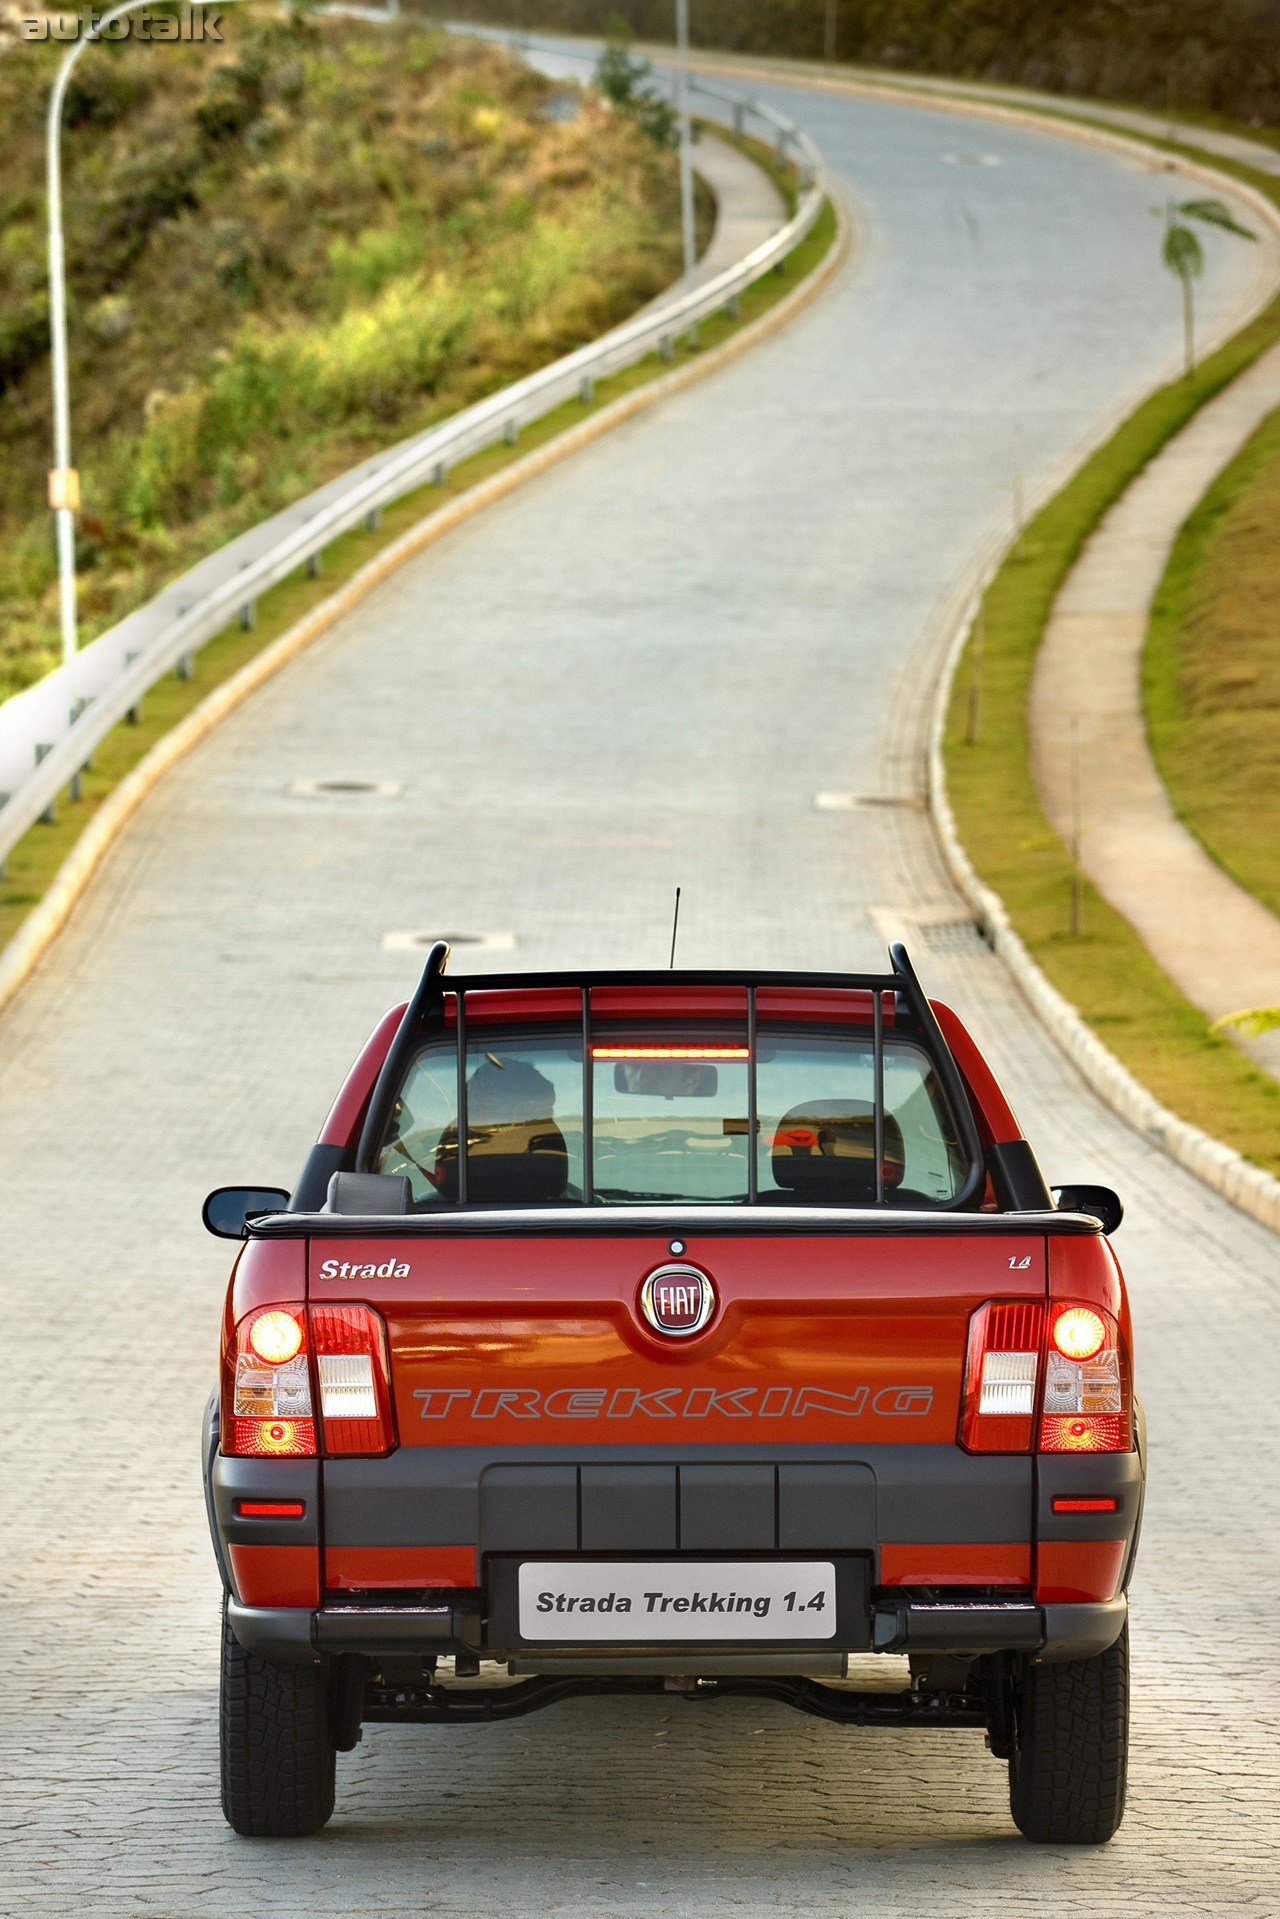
(415,942)
(854,802)
(339,789)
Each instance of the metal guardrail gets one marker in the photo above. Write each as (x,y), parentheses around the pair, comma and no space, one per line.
(49,730)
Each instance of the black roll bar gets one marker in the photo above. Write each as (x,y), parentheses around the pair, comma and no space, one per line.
(428,1003)
(428,998)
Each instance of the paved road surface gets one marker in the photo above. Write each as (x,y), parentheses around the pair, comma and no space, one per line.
(637,672)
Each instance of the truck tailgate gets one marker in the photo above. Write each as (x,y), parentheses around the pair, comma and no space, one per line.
(542,1340)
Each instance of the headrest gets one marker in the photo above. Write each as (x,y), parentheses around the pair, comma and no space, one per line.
(527,1162)
(825,1149)
(372,1193)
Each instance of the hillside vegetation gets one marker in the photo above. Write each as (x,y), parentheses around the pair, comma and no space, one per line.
(1222,59)
(283,253)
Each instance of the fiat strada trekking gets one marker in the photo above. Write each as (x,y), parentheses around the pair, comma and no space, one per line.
(687,1333)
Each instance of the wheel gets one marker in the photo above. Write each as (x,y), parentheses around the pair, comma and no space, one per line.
(277,1744)
(1070,1748)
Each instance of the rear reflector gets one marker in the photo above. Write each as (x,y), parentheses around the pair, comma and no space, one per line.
(270,1438)
(1089,1433)
(270,1509)
(1086,1505)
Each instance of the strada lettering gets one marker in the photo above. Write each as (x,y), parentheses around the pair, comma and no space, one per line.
(344,1269)
(673,1402)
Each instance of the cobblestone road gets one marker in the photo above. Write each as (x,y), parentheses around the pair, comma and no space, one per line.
(637,672)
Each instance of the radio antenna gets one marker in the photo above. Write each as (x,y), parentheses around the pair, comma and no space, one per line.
(675,927)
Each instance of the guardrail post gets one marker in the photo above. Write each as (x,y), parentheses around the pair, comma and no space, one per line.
(739,118)
(49,816)
(511,432)
(79,706)
(315,565)
(249,616)
(586,389)
(439,473)
(186,667)
(667,347)
(373,520)
(734,307)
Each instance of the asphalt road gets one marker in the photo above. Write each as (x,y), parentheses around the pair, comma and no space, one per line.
(637,672)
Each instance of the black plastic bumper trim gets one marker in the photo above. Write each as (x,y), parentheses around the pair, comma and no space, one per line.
(1052,1632)
(1082,1631)
(958,1626)
(300,1635)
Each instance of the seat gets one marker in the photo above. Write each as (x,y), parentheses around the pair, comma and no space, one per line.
(516,1154)
(824,1151)
(522,1164)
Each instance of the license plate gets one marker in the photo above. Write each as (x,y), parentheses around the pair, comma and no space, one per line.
(690,1599)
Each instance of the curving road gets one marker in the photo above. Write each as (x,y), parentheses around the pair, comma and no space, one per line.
(639,671)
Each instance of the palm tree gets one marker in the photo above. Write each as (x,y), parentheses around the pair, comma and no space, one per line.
(1183,254)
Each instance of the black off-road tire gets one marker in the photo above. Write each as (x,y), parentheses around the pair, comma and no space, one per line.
(1071,1748)
(278,1761)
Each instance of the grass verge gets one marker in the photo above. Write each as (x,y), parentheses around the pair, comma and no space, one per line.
(1211,669)
(1105,971)
(35,860)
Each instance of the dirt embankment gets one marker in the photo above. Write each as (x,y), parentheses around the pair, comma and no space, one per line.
(283,253)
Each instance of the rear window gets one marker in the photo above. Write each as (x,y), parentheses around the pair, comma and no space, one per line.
(669,1120)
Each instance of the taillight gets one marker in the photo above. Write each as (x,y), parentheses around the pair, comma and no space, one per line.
(1086,1384)
(1084,1401)
(1001,1374)
(1078,1332)
(350,1346)
(266,1404)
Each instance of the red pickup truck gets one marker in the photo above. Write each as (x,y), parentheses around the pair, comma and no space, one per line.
(682,1333)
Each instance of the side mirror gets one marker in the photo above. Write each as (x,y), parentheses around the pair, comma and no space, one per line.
(228,1209)
(1104,1205)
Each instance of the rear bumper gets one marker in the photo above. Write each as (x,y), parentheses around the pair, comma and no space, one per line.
(963,1554)
(1051,1633)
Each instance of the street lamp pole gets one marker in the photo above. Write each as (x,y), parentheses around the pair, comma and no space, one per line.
(64,481)
(686,146)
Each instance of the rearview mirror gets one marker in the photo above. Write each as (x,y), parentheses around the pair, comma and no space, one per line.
(228,1209)
(1105,1206)
(666,1079)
